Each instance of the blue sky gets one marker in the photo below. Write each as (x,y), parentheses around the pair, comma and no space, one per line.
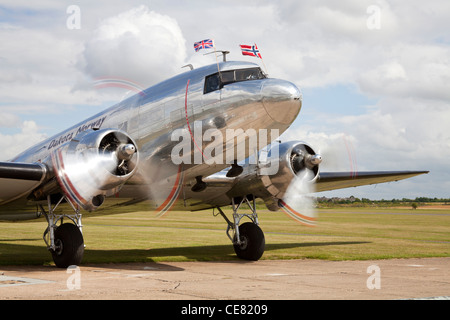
(375,83)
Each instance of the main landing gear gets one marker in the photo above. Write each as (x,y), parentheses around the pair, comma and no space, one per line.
(64,241)
(248,239)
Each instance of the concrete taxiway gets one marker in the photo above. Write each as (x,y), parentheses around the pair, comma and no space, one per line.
(265,279)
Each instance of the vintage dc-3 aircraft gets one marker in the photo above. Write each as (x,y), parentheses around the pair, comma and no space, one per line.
(180,144)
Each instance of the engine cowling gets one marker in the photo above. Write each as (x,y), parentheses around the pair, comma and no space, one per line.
(295,159)
(94,165)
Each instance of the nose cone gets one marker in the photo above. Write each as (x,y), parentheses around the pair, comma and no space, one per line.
(282,100)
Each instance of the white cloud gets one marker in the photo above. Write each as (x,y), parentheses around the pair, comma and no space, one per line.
(37,67)
(42,69)
(9,120)
(404,67)
(13,144)
(409,70)
(140,45)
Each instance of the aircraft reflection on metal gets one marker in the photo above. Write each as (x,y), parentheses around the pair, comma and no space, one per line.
(207,118)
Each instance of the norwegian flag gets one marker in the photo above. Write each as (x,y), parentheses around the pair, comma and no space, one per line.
(204,44)
(250,51)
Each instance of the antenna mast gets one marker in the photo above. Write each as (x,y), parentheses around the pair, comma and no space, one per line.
(224,54)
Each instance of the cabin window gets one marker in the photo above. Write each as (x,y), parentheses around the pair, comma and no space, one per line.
(218,80)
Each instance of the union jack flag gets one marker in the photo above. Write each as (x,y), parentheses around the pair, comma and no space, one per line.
(250,51)
(204,44)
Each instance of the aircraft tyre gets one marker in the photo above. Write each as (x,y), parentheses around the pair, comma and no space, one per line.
(252,242)
(69,246)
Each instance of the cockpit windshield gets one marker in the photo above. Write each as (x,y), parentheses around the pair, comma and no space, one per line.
(218,80)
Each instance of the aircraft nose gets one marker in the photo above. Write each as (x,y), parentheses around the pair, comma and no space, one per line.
(282,100)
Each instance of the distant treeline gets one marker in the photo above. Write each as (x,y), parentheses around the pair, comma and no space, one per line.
(354,201)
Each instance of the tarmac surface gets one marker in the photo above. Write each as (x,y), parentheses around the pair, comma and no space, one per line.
(427,278)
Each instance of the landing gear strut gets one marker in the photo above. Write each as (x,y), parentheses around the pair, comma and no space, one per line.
(248,239)
(65,242)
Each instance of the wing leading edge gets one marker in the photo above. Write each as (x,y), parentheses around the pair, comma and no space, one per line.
(17,179)
(340,180)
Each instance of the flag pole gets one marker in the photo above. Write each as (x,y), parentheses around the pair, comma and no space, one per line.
(217,59)
(267,72)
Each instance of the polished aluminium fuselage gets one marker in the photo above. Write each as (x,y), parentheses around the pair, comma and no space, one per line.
(151,116)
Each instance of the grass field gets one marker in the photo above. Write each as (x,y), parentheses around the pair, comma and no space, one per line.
(341,234)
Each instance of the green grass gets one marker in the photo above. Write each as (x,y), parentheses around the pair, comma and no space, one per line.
(341,234)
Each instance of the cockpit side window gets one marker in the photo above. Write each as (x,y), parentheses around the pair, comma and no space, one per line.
(249,74)
(212,83)
(218,80)
(228,77)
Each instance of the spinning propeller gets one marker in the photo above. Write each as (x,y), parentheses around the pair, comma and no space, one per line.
(94,165)
(296,201)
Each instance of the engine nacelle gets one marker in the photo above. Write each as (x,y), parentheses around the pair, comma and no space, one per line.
(295,159)
(94,165)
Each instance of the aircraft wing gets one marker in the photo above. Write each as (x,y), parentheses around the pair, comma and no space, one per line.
(339,180)
(18,179)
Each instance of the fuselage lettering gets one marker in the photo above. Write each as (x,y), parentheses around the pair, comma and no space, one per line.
(70,135)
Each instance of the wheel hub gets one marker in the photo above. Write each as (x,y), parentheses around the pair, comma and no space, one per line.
(58,247)
(244,242)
